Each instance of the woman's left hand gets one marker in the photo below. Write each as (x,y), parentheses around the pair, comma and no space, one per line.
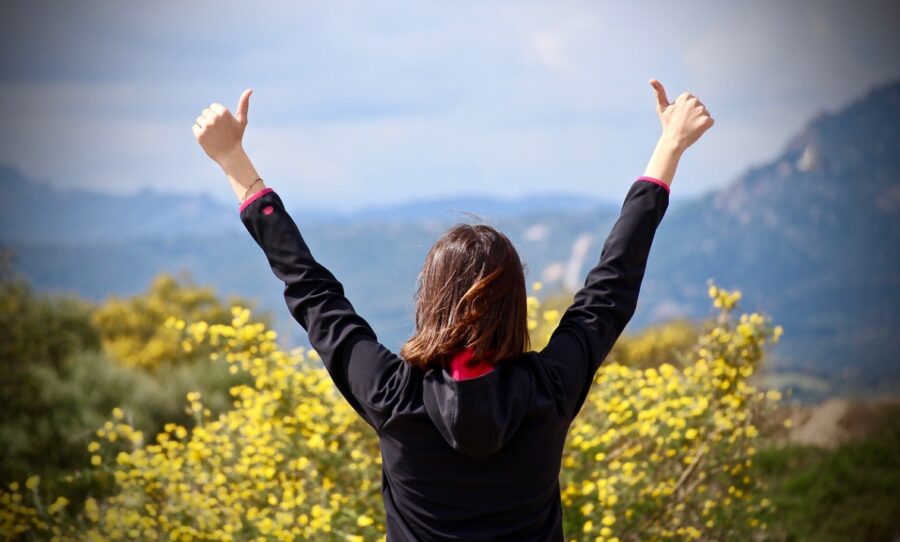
(219,132)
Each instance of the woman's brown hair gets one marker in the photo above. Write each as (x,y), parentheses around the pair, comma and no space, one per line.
(471,294)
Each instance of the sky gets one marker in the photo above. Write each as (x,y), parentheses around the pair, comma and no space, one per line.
(360,104)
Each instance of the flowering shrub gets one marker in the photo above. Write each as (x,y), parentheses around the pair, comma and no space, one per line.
(131,331)
(656,453)
(662,453)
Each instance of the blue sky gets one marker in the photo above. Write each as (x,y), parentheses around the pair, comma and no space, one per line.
(373,103)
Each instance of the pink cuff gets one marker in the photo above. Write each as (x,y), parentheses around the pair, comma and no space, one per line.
(254,197)
(654,180)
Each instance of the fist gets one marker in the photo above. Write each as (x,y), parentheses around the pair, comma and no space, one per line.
(218,131)
(684,120)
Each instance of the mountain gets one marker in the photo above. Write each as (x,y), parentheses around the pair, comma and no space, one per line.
(810,238)
(80,215)
(40,212)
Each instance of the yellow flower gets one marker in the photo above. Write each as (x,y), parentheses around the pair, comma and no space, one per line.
(364,521)
(91,509)
(32,482)
(57,505)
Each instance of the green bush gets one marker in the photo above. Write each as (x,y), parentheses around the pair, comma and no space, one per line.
(59,385)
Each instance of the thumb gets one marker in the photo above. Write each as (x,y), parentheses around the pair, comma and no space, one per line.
(243,106)
(662,101)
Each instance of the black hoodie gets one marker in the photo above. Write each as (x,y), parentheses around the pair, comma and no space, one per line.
(474,459)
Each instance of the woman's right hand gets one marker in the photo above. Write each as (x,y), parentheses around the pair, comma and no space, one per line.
(684,120)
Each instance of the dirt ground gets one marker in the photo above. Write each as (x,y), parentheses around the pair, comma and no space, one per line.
(839,420)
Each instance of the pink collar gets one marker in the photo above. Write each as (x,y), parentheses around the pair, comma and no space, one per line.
(462,369)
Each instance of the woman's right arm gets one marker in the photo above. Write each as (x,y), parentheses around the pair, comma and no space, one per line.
(605,304)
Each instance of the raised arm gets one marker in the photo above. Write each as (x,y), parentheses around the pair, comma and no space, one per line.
(605,304)
(365,372)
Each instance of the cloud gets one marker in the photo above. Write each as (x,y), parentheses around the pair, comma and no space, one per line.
(356,103)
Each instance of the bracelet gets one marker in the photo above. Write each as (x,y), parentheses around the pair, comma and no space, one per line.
(248,189)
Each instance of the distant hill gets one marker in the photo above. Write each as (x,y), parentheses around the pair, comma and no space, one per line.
(810,238)
(80,215)
(39,212)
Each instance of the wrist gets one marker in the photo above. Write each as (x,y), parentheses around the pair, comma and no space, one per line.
(671,146)
(664,160)
(233,160)
(241,174)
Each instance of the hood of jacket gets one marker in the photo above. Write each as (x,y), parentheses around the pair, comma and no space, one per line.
(477,416)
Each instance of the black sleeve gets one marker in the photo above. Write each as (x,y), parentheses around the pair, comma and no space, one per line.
(603,306)
(366,373)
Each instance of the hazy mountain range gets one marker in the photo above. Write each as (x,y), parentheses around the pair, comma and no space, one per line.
(810,238)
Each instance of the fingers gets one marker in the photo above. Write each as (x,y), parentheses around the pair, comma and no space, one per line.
(209,115)
(243,106)
(691,100)
(662,101)
(707,119)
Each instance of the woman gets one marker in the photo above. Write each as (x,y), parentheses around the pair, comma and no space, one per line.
(471,423)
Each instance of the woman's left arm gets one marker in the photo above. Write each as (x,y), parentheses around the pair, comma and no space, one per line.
(365,372)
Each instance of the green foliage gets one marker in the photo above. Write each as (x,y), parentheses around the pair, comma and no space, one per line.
(37,330)
(58,386)
(40,333)
(850,493)
(73,399)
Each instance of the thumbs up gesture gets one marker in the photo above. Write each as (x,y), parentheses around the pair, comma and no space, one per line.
(219,132)
(684,120)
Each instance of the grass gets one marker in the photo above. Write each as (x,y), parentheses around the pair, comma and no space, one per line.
(849,493)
